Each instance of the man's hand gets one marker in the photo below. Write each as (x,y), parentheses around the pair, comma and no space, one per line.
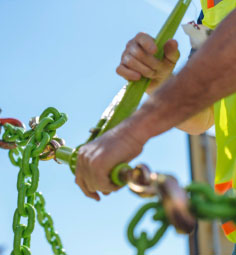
(138,60)
(97,159)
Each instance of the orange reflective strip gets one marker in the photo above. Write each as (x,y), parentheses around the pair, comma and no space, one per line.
(221,188)
(210,3)
(229,227)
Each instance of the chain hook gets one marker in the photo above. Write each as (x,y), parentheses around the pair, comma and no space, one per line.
(145,183)
(141,181)
(14,122)
(176,203)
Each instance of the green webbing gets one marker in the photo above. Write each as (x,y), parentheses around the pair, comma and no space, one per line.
(129,97)
(133,92)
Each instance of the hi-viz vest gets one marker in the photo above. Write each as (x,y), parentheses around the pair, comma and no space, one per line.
(225,118)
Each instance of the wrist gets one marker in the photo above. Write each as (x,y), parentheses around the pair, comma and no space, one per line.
(129,132)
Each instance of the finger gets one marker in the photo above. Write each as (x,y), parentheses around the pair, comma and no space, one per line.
(105,185)
(106,193)
(146,42)
(82,171)
(132,63)
(91,193)
(127,73)
(171,51)
(85,175)
(147,59)
(85,190)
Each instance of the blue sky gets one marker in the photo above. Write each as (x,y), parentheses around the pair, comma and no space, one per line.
(64,54)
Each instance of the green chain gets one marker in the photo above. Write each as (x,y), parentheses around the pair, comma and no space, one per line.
(45,220)
(204,204)
(30,145)
(142,243)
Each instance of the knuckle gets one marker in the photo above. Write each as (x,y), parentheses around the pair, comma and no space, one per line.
(127,60)
(138,53)
(123,55)
(129,43)
(147,43)
(92,164)
(140,35)
(81,152)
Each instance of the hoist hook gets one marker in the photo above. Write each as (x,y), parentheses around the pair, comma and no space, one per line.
(14,122)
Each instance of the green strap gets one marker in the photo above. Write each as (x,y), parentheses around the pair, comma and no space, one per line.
(130,96)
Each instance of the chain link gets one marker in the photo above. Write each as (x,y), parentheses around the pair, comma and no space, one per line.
(26,156)
(45,220)
(204,204)
(143,242)
(207,205)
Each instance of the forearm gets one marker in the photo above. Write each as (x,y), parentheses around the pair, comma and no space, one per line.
(197,124)
(208,76)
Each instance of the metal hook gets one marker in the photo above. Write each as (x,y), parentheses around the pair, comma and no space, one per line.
(11,121)
(144,183)
(176,203)
(14,122)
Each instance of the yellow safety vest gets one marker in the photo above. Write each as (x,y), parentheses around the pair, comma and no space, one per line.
(225,118)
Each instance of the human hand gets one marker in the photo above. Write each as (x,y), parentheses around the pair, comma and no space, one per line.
(138,60)
(96,160)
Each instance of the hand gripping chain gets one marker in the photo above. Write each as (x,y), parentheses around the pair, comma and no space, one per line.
(40,143)
(175,205)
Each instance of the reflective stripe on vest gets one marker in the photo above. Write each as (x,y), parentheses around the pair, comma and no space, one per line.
(222,188)
(212,3)
(229,227)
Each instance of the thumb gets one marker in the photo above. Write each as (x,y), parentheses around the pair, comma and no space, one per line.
(171,51)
